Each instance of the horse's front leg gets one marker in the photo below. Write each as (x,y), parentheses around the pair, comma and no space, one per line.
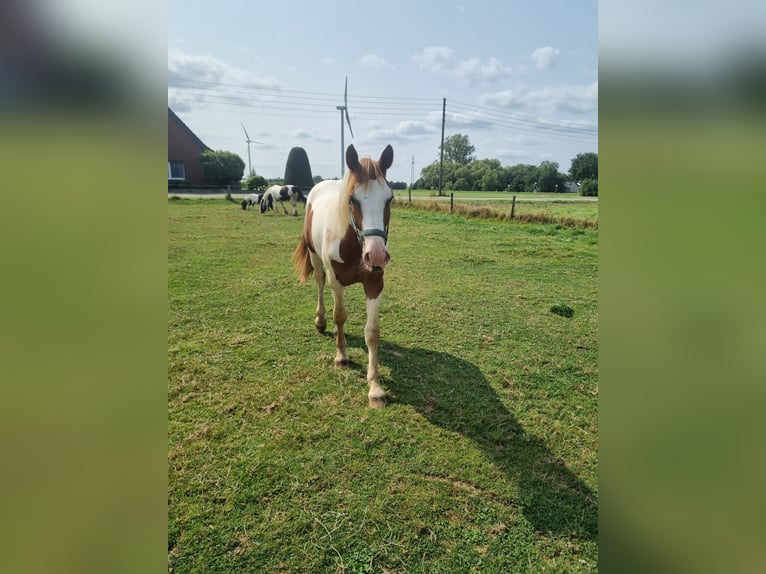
(319,273)
(339,315)
(376,397)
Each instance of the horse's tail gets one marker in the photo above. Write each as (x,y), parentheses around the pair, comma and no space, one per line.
(302,261)
(301,195)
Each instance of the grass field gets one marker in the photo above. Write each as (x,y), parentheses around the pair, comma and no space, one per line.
(570,214)
(485,458)
(500,195)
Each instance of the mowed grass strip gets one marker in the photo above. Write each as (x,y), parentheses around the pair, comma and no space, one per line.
(485,458)
(570,213)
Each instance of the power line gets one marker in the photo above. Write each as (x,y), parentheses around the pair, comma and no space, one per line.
(279,102)
(283,92)
(531,121)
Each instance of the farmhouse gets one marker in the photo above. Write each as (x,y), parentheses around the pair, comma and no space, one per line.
(184,148)
(571,187)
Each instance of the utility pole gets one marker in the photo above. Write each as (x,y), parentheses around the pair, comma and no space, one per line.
(441,161)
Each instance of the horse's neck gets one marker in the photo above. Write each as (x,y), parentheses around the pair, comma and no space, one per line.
(343,217)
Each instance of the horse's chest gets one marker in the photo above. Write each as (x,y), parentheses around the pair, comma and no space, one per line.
(350,269)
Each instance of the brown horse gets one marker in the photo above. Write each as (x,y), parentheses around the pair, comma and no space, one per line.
(345,236)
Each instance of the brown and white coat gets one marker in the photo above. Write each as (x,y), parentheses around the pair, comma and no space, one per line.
(344,241)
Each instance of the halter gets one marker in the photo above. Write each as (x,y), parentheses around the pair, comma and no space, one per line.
(362,233)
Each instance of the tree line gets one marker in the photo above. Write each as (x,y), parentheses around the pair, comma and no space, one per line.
(462,171)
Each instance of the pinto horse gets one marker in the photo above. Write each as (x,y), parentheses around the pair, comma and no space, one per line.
(345,233)
(251,200)
(282,193)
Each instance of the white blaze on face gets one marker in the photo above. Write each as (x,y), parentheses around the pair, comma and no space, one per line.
(373,200)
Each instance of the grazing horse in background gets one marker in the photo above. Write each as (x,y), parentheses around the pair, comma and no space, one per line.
(282,193)
(251,200)
(345,233)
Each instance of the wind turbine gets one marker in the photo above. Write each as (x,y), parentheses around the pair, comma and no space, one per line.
(248,141)
(344,110)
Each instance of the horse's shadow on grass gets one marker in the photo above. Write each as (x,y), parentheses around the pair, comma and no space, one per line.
(454,394)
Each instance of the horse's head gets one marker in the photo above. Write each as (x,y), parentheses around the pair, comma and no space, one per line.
(369,199)
(265,201)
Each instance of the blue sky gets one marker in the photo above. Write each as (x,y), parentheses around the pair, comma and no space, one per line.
(520,78)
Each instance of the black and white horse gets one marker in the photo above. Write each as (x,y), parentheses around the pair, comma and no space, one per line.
(282,193)
(251,200)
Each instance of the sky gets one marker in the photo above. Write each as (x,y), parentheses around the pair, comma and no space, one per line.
(520,79)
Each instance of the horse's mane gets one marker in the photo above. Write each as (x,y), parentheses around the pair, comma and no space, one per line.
(369,170)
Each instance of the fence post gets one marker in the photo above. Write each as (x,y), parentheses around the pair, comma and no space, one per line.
(409,194)
(451,201)
(513,207)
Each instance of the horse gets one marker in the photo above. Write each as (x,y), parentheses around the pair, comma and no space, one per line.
(282,193)
(251,200)
(344,241)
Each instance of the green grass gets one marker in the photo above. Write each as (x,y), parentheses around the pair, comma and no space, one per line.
(485,458)
(565,209)
(499,195)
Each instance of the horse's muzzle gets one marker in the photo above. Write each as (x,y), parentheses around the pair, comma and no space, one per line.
(375,255)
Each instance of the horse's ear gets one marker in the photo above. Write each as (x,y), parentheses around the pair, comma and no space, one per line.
(352,159)
(386,158)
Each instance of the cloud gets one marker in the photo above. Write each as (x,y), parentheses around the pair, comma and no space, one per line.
(467,119)
(414,128)
(434,59)
(406,131)
(510,154)
(182,66)
(313,135)
(374,61)
(545,58)
(474,69)
(193,79)
(577,99)
(441,60)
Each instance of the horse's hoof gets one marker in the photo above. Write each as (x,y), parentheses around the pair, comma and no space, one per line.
(321,328)
(377,402)
(343,363)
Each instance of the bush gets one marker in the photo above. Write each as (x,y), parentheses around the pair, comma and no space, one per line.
(221,167)
(298,169)
(589,187)
(255,182)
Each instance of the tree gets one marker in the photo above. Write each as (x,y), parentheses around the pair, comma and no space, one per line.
(521,177)
(549,178)
(584,166)
(256,182)
(298,169)
(429,175)
(221,167)
(317,179)
(458,149)
(589,187)
(487,175)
